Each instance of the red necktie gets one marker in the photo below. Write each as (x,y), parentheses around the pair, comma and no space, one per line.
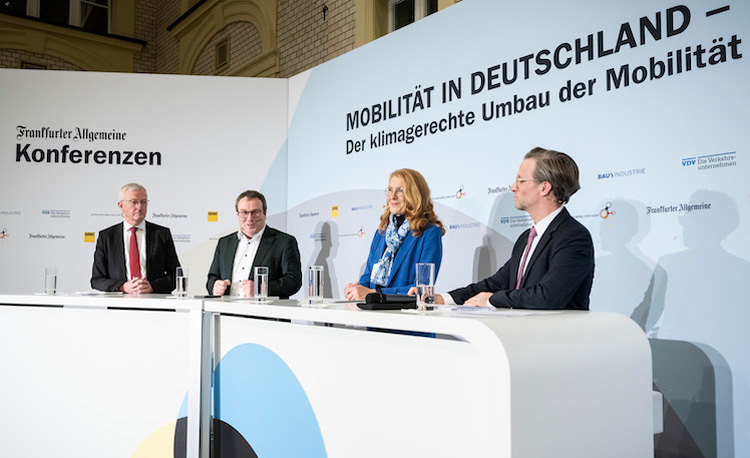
(532,234)
(135,258)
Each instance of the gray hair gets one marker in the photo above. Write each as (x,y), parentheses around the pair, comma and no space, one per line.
(131,187)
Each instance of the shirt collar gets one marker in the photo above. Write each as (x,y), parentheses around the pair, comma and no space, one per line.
(241,235)
(544,223)
(127,226)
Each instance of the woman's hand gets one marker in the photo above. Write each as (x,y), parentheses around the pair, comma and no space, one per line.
(356,292)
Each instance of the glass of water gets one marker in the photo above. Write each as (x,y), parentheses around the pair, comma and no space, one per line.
(181,276)
(261,282)
(425,286)
(315,284)
(50,280)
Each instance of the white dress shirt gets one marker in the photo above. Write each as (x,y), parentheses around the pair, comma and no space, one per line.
(541,226)
(244,257)
(140,237)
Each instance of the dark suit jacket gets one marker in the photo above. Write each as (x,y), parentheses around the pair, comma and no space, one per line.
(559,274)
(277,251)
(109,272)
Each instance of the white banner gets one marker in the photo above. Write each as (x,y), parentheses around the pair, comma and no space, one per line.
(70,140)
(650,98)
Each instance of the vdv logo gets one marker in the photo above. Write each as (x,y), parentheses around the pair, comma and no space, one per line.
(688,162)
(605,175)
(504,220)
(45,212)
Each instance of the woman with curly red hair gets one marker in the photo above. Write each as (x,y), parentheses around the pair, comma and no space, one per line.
(409,233)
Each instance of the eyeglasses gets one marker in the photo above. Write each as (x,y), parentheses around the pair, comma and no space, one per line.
(255,213)
(135,203)
(521,180)
(391,191)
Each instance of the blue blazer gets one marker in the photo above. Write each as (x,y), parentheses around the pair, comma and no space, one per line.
(426,248)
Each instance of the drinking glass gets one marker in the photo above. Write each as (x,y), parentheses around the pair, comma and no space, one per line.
(315,284)
(50,280)
(181,277)
(261,282)
(425,286)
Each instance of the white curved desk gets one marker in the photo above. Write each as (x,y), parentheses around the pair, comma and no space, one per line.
(101,382)
(514,384)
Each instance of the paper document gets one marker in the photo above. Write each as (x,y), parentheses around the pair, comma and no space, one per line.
(491,311)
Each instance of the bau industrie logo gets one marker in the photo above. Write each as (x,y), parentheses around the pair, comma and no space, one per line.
(469,225)
(359,208)
(711,161)
(621,174)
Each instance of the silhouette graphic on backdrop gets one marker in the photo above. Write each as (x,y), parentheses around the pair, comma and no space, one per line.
(494,245)
(618,257)
(326,248)
(687,302)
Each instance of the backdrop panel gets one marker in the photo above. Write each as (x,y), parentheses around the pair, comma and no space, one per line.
(650,98)
(69,140)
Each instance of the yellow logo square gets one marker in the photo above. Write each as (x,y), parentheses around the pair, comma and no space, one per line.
(334,211)
(89,237)
(213,217)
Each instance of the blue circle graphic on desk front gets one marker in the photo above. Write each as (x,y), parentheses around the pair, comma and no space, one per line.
(257,394)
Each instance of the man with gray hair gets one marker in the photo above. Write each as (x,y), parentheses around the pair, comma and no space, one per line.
(134,256)
(551,266)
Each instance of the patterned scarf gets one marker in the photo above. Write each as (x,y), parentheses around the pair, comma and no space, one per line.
(381,271)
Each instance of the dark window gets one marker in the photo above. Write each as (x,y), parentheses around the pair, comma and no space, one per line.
(430,6)
(32,66)
(222,54)
(17,7)
(95,15)
(91,15)
(403,14)
(54,11)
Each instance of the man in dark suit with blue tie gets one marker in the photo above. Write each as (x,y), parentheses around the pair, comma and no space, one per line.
(254,245)
(552,264)
(134,256)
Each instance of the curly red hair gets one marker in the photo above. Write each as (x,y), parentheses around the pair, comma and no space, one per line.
(419,209)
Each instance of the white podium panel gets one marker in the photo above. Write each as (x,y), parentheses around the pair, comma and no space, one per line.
(509,384)
(131,376)
(80,380)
